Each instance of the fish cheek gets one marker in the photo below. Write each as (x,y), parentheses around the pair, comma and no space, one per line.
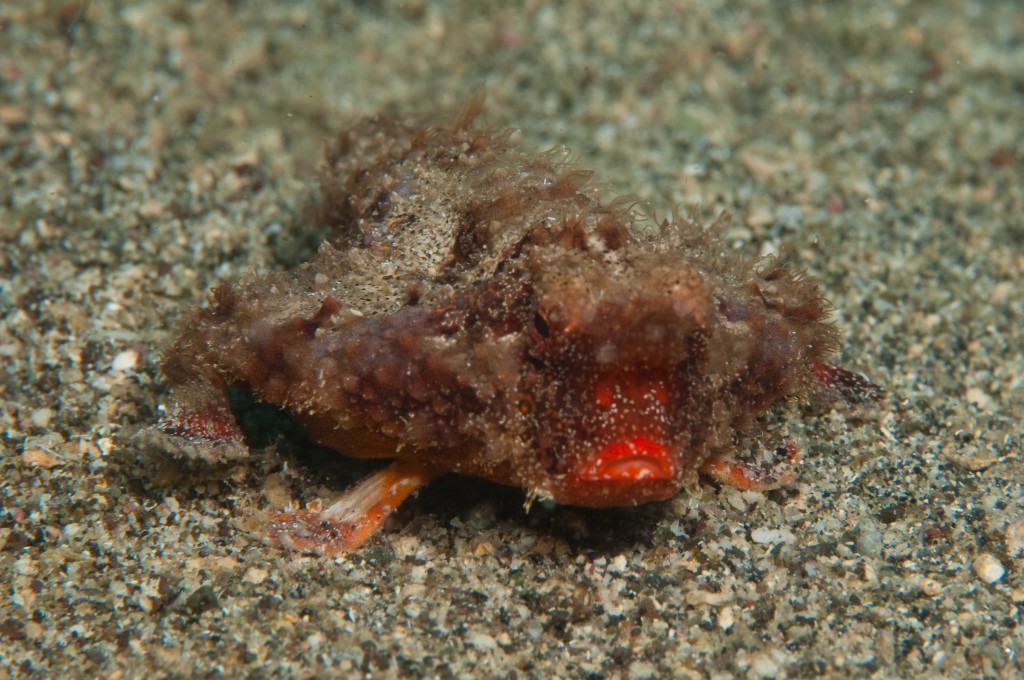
(538,419)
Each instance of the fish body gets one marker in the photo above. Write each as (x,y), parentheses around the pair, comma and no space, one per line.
(478,310)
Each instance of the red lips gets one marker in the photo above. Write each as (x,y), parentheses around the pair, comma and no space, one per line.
(635,460)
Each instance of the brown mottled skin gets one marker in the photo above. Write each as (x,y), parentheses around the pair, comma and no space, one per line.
(483,311)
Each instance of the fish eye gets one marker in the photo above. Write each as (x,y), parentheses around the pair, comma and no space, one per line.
(541,325)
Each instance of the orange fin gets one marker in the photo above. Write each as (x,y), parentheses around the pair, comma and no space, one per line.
(751,477)
(354,517)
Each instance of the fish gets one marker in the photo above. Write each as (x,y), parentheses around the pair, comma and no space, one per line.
(475,309)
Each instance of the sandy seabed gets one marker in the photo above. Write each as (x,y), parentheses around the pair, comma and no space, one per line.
(154,150)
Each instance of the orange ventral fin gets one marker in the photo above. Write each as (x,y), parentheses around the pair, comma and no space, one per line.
(354,517)
(750,476)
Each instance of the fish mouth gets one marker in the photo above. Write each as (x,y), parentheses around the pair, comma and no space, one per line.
(634,460)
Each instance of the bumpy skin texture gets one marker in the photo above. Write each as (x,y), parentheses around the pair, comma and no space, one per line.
(482,311)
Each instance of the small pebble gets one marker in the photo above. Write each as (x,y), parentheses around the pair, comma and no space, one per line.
(41,417)
(125,361)
(255,575)
(764,536)
(642,670)
(1015,539)
(979,398)
(763,666)
(480,640)
(726,618)
(869,539)
(988,568)
(39,458)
